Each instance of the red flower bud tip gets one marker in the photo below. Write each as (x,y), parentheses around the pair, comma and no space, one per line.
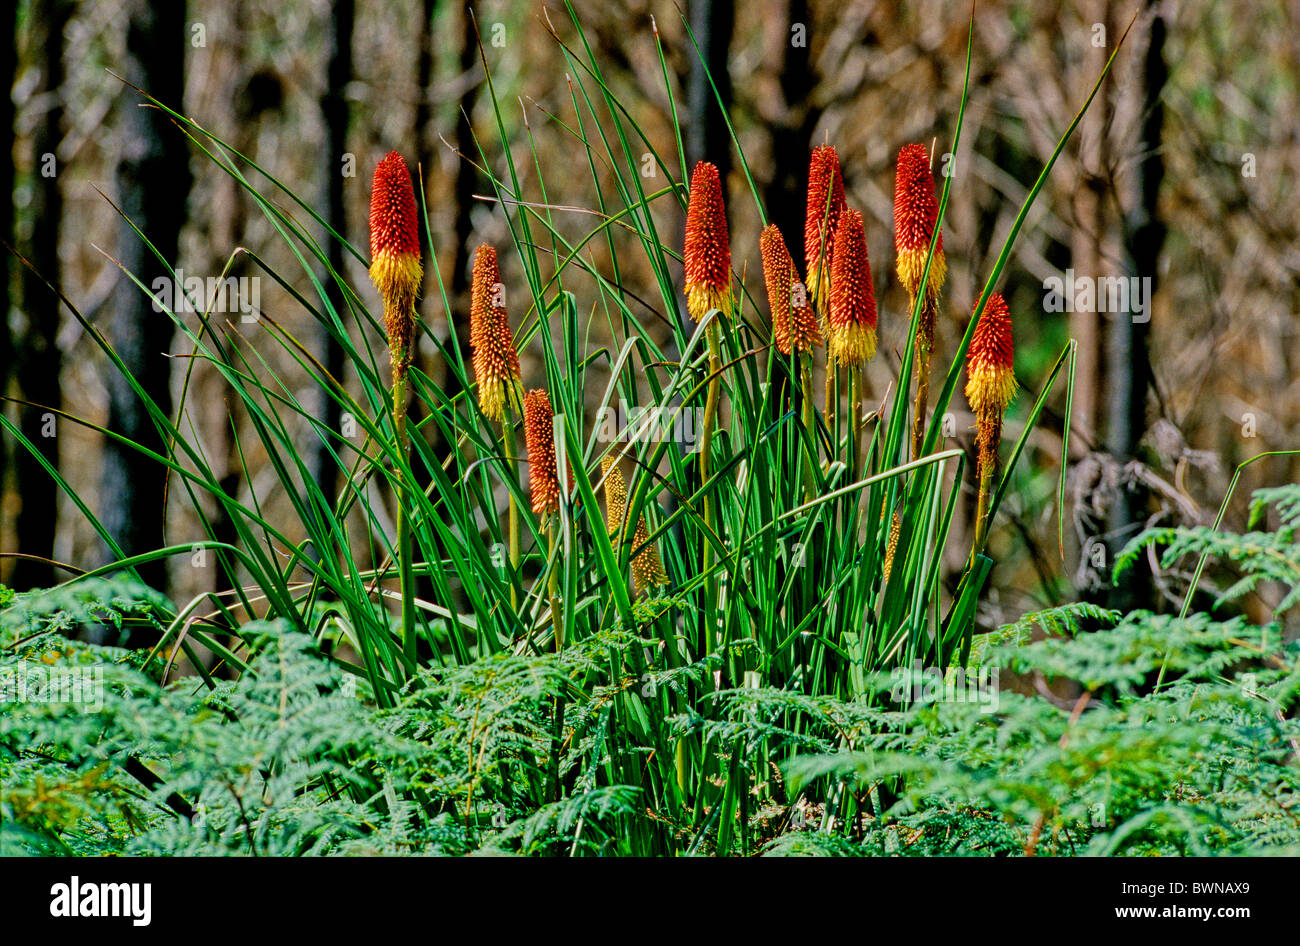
(852,320)
(915,214)
(395,253)
(825,204)
(990,372)
(990,376)
(708,249)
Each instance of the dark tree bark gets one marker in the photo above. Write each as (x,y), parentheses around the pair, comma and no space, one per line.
(426,138)
(247,99)
(465,173)
(425,135)
(426,146)
(1087,251)
(8,70)
(154,180)
(1144,237)
(707,138)
(1129,366)
(786,195)
(334,108)
(38,359)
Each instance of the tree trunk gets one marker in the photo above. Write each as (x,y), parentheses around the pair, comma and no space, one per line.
(1086,251)
(1128,370)
(425,134)
(426,148)
(334,109)
(153,181)
(466,175)
(38,360)
(242,108)
(786,195)
(707,138)
(8,70)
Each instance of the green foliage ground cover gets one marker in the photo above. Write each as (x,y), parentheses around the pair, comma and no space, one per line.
(295,757)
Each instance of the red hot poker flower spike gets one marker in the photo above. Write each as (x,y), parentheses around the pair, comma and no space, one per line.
(990,376)
(496,361)
(825,204)
(395,253)
(778,272)
(615,495)
(708,248)
(539,437)
(915,214)
(486,277)
(496,365)
(852,335)
(794,323)
(647,567)
(804,331)
(990,372)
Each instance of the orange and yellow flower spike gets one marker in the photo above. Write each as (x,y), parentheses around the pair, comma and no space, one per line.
(821,219)
(395,267)
(539,438)
(778,277)
(707,252)
(486,276)
(915,213)
(707,258)
(496,360)
(852,321)
(990,386)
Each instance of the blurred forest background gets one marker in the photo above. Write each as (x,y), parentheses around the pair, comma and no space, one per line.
(1183,172)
